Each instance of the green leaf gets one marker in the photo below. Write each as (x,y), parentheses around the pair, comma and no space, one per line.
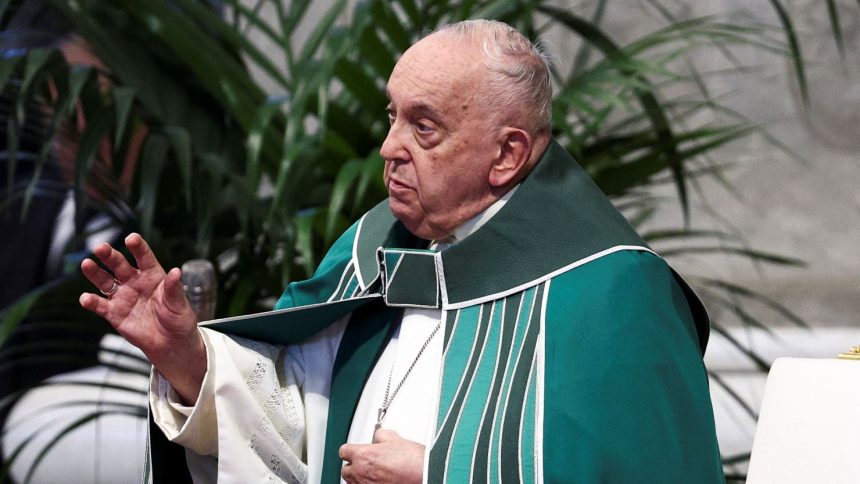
(412,12)
(642,216)
(465,9)
(717,379)
(239,302)
(180,141)
(320,31)
(13,397)
(748,253)
(99,123)
(207,17)
(684,234)
(323,103)
(36,60)
(123,97)
(82,404)
(370,47)
(833,14)
(360,84)
(259,128)
(496,9)
(151,163)
(755,358)
(615,180)
(34,182)
(665,138)
(219,71)
(255,20)
(297,12)
(760,298)
(346,177)
(583,54)
(371,171)
(385,19)
(12,143)
(333,141)
(7,67)
(305,239)
(66,345)
(794,48)
(15,313)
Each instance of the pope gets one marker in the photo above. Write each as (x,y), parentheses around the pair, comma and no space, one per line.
(495,319)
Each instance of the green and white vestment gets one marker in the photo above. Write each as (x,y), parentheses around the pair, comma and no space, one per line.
(572,353)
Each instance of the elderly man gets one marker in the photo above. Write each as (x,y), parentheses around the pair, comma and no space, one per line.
(496,320)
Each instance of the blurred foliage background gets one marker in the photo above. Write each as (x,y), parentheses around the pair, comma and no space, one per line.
(165,118)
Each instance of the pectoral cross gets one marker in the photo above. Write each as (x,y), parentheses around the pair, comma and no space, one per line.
(380,414)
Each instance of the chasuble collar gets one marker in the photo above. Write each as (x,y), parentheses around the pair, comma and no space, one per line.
(510,251)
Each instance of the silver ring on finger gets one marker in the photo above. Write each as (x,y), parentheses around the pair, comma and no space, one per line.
(110,292)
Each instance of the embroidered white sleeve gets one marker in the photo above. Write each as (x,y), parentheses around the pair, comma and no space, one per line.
(249,414)
(261,413)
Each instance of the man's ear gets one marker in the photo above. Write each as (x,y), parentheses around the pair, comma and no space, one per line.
(515,148)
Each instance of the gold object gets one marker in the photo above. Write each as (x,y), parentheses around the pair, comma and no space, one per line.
(852,354)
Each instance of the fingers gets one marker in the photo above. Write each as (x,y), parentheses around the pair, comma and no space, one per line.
(115,261)
(101,279)
(347,473)
(142,253)
(346,452)
(91,302)
(174,295)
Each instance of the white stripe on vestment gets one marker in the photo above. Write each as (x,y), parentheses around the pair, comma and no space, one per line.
(355,252)
(524,416)
(492,381)
(539,387)
(355,290)
(441,288)
(340,282)
(393,272)
(513,370)
(462,377)
(468,391)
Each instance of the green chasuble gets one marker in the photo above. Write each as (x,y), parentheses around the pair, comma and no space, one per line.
(572,352)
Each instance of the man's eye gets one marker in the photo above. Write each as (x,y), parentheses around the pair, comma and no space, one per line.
(423,128)
(390,114)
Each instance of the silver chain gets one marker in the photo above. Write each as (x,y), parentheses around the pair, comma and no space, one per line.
(386,401)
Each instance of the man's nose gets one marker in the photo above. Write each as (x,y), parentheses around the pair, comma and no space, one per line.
(393,148)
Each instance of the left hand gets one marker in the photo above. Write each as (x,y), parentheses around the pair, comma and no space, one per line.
(390,458)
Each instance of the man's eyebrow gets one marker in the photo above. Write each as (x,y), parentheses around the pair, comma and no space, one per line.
(424,108)
(418,107)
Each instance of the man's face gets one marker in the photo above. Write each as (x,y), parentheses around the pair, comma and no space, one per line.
(440,147)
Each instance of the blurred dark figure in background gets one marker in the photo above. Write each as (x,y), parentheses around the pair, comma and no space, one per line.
(37,236)
(26,241)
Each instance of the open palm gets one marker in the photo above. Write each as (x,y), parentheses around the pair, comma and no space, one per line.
(147,306)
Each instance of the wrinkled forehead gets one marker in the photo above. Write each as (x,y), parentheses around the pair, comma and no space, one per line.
(439,66)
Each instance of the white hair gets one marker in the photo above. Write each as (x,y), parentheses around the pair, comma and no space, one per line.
(519,69)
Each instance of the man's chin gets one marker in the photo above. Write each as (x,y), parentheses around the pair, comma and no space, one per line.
(402,212)
(413,220)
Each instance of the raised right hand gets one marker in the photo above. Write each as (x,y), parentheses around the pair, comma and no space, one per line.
(150,310)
